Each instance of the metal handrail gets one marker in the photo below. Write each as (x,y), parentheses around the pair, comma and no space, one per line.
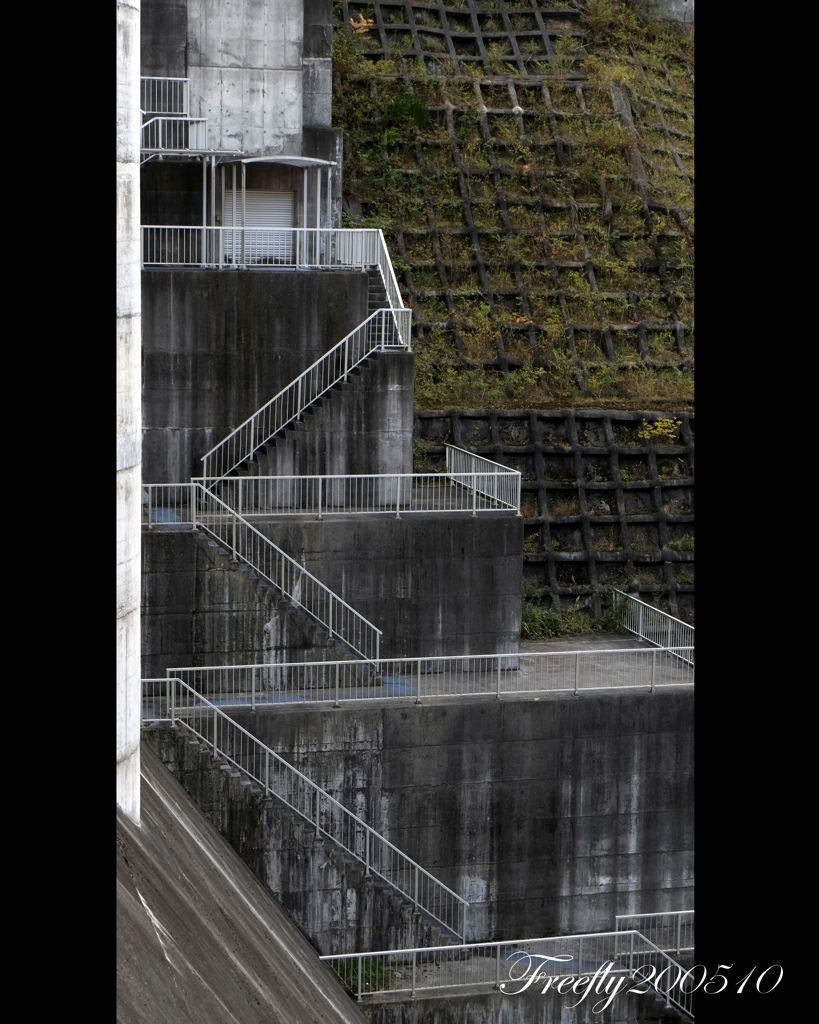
(363,494)
(627,954)
(479,474)
(194,136)
(656,626)
(173,700)
(671,930)
(495,675)
(380,331)
(164,95)
(246,544)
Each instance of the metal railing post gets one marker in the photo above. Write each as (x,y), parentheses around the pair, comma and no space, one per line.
(418,681)
(631,956)
(172,708)
(267,771)
(319,497)
(358,993)
(576,673)
(234,558)
(414,954)
(653,670)
(497,691)
(239,509)
(640,622)
(193,506)
(398,499)
(338,668)
(214,732)
(679,923)
(367,855)
(474,496)
(253,689)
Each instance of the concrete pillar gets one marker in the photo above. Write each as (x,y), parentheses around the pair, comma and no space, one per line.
(129,407)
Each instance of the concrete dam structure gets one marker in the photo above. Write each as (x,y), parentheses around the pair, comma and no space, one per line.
(346,749)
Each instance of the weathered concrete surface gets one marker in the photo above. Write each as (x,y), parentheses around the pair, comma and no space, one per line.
(681,11)
(435,584)
(128,408)
(199,938)
(549,816)
(363,426)
(324,889)
(244,64)
(198,608)
(219,345)
(164,33)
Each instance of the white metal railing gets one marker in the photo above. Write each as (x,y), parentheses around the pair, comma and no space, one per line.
(384,329)
(671,931)
(483,476)
(195,505)
(175,134)
(622,960)
(220,246)
(164,96)
(464,675)
(658,627)
(394,493)
(173,700)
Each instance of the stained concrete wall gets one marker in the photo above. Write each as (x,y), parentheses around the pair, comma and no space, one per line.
(219,344)
(550,816)
(207,942)
(245,69)
(434,585)
(164,39)
(318,68)
(199,608)
(128,408)
(365,426)
(324,889)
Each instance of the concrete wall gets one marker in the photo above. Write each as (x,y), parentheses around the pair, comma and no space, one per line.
(164,38)
(219,344)
(198,608)
(435,585)
(245,69)
(364,427)
(318,69)
(339,908)
(550,816)
(128,408)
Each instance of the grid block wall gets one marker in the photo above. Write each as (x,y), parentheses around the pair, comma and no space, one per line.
(603,507)
(541,222)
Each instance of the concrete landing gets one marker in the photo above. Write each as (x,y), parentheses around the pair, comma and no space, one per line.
(199,938)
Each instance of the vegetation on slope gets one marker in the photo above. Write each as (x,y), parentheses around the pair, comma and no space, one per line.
(537,197)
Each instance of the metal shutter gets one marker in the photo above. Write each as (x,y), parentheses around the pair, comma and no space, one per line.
(273,211)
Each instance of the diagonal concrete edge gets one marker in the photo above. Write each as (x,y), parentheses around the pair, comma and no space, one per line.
(199,938)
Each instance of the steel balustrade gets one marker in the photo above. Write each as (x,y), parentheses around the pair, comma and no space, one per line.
(362,494)
(658,627)
(492,675)
(672,931)
(174,134)
(380,331)
(483,477)
(518,965)
(172,700)
(164,95)
(195,506)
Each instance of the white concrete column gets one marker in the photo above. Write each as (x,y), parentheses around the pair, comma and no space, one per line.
(129,408)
